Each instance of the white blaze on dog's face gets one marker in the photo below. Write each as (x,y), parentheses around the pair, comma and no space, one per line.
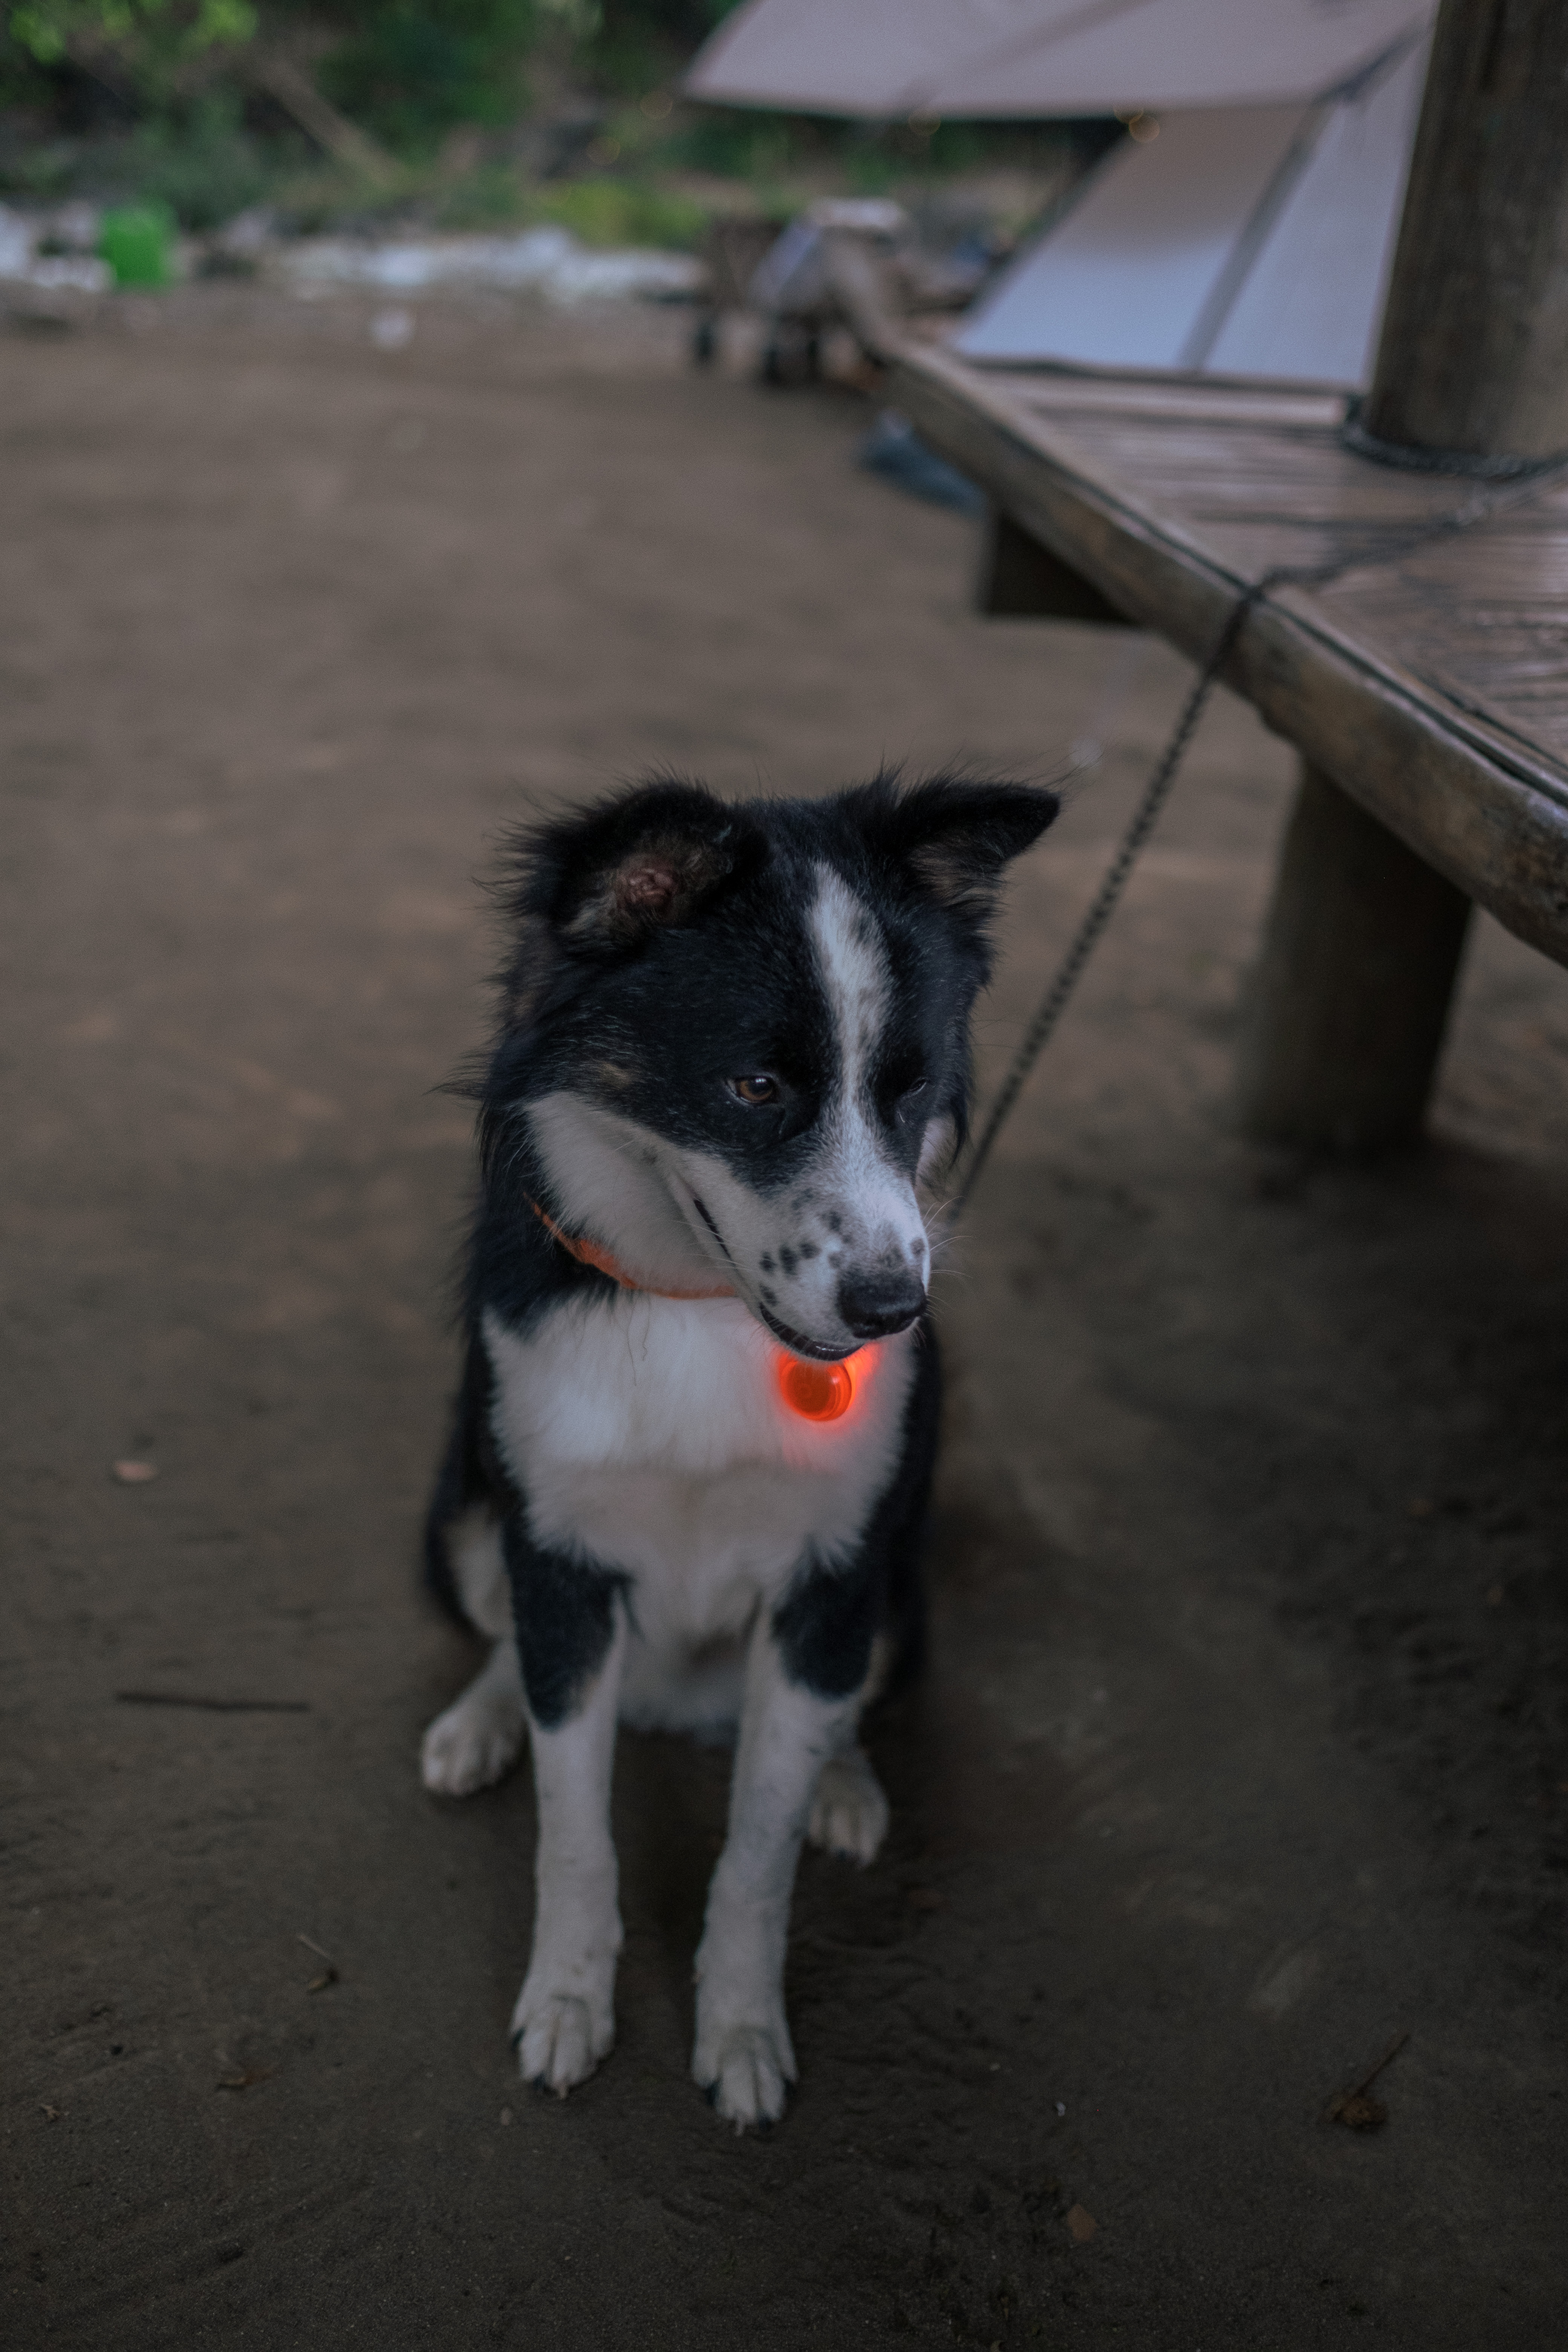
(839,1254)
(752,1043)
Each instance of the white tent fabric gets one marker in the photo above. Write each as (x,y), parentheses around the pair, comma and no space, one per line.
(1021,58)
(1243,241)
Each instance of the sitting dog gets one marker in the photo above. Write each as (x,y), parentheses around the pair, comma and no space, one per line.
(688,1470)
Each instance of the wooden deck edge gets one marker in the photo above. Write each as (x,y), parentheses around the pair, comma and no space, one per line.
(1496,828)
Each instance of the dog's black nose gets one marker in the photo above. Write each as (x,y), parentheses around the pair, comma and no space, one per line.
(875,1306)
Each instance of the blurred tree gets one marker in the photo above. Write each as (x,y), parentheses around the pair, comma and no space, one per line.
(411,69)
(52,30)
(408,71)
(630,45)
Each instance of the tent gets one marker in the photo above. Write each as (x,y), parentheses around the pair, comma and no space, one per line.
(881,60)
(1251,241)
(1248,229)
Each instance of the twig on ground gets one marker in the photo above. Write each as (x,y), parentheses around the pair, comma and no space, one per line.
(215,1706)
(329,1974)
(1352,2105)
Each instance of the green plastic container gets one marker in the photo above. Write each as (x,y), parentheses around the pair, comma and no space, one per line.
(137,241)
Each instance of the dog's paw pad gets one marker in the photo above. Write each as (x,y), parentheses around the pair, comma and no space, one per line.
(747,2074)
(558,2042)
(475,1743)
(850,1813)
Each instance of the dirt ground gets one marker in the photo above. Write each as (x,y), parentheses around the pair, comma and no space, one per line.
(1243,1747)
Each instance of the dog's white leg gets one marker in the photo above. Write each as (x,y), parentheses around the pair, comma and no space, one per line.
(565,2019)
(850,1811)
(743,2055)
(480,1737)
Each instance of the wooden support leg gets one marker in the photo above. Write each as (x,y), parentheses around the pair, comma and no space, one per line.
(1352,993)
(1021,579)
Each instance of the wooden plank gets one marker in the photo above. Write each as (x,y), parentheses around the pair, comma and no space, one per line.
(1063,390)
(1476,795)
(1479,619)
(1151,508)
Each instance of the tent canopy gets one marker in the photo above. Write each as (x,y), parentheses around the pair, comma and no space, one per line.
(881,60)
(1244,241)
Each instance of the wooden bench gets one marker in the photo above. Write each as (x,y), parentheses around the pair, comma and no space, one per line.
(1427,690)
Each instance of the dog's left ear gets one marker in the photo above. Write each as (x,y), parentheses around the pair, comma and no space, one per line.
(953,837)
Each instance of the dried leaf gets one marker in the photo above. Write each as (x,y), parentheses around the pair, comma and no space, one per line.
(1081,2226)
(1361,2112)
(243,2077)
(1352,2105)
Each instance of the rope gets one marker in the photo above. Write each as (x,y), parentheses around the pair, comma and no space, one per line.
(1053,1004)
(1482,504)
(1415,459)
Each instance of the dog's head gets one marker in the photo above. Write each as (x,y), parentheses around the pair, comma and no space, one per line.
(735,1037)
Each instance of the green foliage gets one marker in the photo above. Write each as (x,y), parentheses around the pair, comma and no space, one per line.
(48,29)
(601,212)
(736,144)
(493,197)
(202,165)
(44,175)
(630,45)
(621,212)
(411,69)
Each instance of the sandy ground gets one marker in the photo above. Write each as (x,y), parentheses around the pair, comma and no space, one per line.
(1243,1745)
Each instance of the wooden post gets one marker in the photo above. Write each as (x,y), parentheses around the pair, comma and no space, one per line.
(1474,355)
(1351,997)
(1363,943)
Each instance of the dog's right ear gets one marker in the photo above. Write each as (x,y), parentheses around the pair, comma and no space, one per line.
(637,865)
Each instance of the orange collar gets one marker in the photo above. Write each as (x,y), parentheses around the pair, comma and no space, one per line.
(815,1392)
(594,1254)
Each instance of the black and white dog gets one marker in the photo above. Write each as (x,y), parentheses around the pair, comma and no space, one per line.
(687,1477)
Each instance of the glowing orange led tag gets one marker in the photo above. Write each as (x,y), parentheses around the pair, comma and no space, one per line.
(818,1391)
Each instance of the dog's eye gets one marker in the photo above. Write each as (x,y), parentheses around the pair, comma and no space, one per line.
(754,1090)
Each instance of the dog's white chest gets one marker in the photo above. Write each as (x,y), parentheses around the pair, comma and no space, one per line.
(651,1434)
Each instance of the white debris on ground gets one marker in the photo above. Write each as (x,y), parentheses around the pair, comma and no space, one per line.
(53,253)
(21,263)
(547,261)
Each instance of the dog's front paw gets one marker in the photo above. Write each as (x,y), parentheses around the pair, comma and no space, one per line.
(850,1813)
(745,2070)
(561,2037)
(478,1739)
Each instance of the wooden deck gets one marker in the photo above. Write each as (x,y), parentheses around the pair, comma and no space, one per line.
(1432,686)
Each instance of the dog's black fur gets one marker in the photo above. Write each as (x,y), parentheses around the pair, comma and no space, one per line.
(731,1038)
